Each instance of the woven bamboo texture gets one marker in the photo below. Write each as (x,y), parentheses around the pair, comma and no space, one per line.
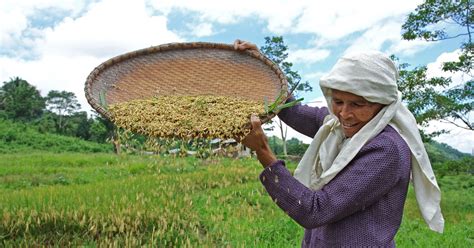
(186,69)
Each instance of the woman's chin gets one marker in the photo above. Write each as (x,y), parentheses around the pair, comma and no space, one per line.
(350,131)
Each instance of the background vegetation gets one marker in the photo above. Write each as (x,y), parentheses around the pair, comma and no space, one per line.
(63,191)
(78,199)
(18,137)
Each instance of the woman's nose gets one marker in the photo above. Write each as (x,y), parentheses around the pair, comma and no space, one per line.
(345,111)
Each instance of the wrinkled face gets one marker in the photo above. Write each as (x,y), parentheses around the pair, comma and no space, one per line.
(353,111)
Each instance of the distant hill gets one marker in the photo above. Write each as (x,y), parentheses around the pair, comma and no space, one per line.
(441,152)
(437,152)
(18,137)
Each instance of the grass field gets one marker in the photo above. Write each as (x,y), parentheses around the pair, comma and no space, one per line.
(78,199)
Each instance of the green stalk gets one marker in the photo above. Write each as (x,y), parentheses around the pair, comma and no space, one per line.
(288,104)
(102,99)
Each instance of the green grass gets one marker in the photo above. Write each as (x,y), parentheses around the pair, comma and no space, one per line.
(457,206)
(94,200)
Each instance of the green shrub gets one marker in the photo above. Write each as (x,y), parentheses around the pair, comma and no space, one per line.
(455,167)
(18,137)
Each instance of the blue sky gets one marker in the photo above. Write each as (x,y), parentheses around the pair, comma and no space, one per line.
(55,44)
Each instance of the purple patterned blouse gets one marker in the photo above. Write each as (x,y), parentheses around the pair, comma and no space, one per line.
(362,206)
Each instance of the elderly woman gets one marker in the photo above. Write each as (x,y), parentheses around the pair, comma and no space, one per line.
(349,188)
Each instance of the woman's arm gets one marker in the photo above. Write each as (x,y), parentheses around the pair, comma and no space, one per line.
(303,118)
(373,173)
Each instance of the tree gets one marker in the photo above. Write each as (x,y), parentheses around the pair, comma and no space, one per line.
(453,102)
(276,50)
(275,144)
(46,123)
(104,130)
(20,101)
(420,94)
(63,104)
(98,131)
(296,147)
(81,127)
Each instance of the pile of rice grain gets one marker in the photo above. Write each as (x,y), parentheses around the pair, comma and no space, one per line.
(187,116)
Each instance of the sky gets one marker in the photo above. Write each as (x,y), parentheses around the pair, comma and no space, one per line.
(55,44)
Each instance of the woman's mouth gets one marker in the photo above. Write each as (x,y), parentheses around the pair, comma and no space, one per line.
(350,129)
(348,125)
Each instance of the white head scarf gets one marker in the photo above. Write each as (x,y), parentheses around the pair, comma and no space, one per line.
(373,76)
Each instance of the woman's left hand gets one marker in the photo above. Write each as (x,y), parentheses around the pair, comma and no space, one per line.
(244,45)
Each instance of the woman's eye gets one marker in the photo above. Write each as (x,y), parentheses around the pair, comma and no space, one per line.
(358,104)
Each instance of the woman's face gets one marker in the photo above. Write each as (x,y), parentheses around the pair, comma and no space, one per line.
(353,111)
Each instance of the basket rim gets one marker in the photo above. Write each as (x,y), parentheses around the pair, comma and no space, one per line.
(176,46)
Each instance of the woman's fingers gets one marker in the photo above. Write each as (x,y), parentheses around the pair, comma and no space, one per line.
(236,44)
(244,45)
(255,121)
(254,139)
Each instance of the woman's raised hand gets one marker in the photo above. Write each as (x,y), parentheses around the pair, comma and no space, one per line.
(257,141)
(244,45)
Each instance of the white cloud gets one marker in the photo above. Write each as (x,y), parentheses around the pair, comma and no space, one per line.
(372,38)
(336,19)
(464,140)
(69,51)
(109,28)
(105,29)
(314,76)
(308,56)
(279,14)
(459,138)
(435,68)
(201,30)
(46,75)
(375,37)
(408,48)
(10,33)
(327,19)
(16,15)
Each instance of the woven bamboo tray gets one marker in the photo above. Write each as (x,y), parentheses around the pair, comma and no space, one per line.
(187,69)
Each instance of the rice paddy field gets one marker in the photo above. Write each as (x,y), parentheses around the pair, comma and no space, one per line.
(105,200)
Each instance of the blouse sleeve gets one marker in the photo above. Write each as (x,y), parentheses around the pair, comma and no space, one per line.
(353,189)
(303,118)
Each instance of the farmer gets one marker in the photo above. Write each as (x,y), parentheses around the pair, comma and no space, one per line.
(350,186)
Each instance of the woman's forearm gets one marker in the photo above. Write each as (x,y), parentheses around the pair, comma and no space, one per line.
(265,156)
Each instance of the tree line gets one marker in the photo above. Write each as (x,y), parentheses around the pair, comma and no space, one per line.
(58,112)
